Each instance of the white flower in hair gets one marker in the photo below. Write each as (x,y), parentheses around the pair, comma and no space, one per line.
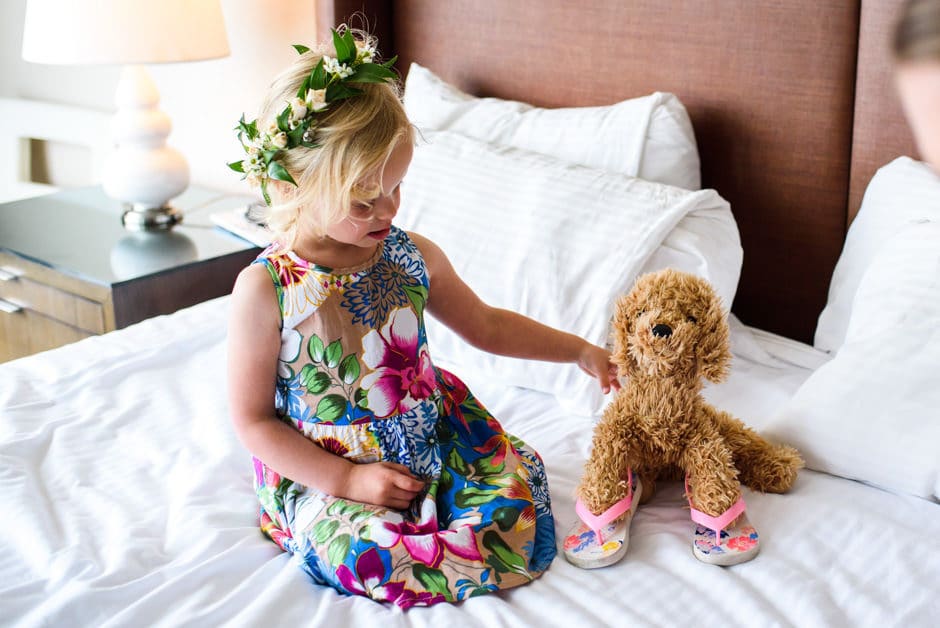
(298,109)
(253,167)
(253,161)
(365,53)
(280,140)
(334,67)
(316,99)
(271,129)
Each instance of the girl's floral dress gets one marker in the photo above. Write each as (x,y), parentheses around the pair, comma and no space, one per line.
(354,375)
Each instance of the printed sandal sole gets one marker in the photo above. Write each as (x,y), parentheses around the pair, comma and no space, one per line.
(593,557)
(726,556)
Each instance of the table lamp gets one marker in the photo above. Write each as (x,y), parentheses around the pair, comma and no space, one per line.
(141,171)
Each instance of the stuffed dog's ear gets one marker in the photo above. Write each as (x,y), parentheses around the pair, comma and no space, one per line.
(623,322)
(714,351)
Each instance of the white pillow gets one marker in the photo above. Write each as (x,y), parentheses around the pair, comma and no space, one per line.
(901,191)
(551,240)
(650,137)
(872,413)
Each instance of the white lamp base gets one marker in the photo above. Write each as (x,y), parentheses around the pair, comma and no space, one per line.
(143,171)
(151,218)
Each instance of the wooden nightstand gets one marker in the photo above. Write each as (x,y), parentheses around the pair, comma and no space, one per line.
(69,269)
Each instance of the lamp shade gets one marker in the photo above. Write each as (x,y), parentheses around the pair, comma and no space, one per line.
(123,31)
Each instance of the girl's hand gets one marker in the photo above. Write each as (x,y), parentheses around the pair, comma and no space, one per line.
(383,484)
(595,361)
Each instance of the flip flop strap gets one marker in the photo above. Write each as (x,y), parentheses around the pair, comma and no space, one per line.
(599,522)
(719,523)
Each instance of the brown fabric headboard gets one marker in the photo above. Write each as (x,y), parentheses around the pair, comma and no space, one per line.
(880,133)
(769,85)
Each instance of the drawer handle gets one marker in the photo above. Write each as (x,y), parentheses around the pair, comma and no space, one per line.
(8,274)
(8,307)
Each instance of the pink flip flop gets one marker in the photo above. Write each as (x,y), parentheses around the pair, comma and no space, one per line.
(601,540)
(713,542)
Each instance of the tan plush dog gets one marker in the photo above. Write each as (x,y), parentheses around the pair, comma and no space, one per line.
(670,334)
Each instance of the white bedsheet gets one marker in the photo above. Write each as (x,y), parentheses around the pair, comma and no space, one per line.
(127,501)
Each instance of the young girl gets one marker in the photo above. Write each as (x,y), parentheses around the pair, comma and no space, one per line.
(379,472)
(917,51)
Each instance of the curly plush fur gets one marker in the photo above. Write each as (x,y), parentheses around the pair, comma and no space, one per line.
(670,332)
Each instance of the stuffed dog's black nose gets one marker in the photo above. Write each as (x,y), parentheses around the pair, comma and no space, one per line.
(662,331)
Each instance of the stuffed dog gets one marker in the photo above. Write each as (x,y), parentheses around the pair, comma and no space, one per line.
(670,335)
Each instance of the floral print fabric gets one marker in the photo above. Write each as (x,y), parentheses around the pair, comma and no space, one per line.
(355,376)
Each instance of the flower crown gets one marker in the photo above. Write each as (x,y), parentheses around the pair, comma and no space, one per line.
(296,124)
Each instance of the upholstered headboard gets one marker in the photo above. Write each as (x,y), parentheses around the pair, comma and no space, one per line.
(791,103)
(880,132)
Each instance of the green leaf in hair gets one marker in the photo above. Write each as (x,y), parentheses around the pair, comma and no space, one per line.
(279,172)
(343,53)
(371,73)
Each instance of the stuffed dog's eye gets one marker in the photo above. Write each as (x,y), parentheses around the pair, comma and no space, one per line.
(640,313)
(691,319)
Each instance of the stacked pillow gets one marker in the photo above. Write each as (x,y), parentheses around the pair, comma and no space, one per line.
(903,191)
(872,413)
(649,137)
(554,212)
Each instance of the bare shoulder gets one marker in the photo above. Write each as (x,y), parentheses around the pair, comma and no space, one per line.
(424,245)
(434,257)
(253,279)
(254,299)
(450,300)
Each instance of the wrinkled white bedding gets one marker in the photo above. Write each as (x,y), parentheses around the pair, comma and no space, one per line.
(127,501)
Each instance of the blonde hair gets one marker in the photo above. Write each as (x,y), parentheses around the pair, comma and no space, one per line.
(355,137)
(917,31)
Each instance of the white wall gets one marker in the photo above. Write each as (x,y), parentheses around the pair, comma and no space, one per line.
(204,99)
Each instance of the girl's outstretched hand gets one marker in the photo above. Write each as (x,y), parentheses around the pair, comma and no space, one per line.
(595,361)
(383,484)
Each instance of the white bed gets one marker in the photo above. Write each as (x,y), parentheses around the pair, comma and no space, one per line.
(128,502)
